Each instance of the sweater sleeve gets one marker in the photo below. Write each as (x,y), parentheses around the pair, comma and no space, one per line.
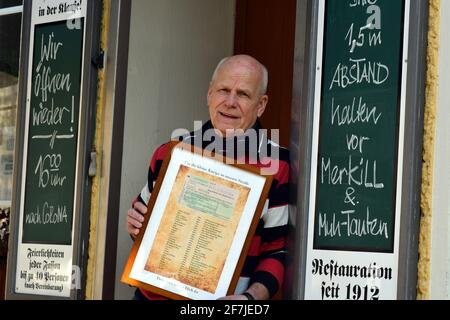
(272,250)
(153,172)
(144,197)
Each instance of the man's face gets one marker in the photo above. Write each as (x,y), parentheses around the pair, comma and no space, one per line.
(234,97)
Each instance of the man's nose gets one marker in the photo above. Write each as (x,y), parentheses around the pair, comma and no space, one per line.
(231,100)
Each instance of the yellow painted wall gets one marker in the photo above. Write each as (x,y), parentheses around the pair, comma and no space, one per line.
(423,284)
(98,146)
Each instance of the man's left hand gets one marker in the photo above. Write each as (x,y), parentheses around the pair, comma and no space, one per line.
(257,290)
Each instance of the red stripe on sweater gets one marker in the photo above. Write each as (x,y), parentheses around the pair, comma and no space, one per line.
(274,245)
(152,296)
(283,173)
(159,154)
(254,246)
(273,267)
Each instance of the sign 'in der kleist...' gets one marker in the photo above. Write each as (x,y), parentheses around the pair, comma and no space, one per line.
(51,148)
(354,217)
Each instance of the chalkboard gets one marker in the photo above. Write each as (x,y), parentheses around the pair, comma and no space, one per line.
(359,125)
(53,133)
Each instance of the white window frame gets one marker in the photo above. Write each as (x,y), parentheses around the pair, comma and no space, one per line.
(11,10)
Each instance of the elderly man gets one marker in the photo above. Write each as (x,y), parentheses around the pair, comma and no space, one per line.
(236,99)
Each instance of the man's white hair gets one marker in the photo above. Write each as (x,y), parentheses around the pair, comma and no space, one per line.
(264,79)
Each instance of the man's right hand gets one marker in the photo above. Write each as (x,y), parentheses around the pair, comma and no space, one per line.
(135,218)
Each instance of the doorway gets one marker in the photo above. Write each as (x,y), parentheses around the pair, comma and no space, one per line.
(174,46)
(265,29)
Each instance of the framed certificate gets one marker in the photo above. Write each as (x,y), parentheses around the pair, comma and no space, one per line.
(202,216)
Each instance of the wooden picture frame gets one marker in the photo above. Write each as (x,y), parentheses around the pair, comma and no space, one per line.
(202,215)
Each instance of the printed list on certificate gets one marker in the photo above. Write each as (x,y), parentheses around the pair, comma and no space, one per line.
(197,229)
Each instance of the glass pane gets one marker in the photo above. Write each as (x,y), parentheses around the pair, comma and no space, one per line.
(10,27)
(10,3)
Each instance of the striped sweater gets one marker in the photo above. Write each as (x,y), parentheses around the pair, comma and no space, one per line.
(265,262)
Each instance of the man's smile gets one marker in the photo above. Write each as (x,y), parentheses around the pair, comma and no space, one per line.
(228,116)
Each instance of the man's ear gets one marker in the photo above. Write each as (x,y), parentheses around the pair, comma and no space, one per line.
(262,105)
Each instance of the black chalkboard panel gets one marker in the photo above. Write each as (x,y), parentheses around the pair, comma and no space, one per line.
(359,125)
(53,134)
